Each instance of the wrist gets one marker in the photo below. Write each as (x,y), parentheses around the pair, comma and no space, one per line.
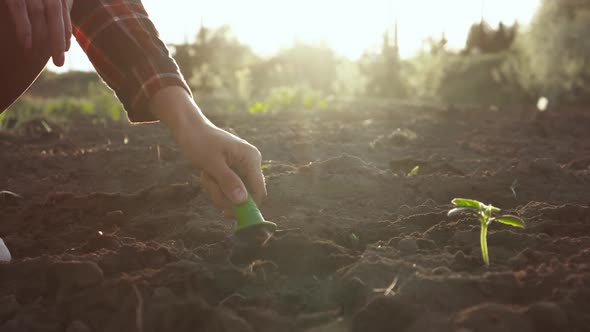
(174,107)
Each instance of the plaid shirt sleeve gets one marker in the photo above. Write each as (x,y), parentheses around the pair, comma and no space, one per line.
(124,47)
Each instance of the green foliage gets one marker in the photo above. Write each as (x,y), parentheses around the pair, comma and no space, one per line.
(258,107)
(499,66)
(485,214)
(68,84)
(480,79)
(309,65)
(556,52)
(423,73)
(100,104)
(384,71)
(291,98)
(217,64)
(212,62)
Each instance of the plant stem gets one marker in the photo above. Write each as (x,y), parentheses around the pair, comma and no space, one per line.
(484,243)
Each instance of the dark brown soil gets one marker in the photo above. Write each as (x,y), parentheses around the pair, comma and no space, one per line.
(111,235)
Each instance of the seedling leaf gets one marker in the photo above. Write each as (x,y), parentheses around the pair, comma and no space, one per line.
(455,211)
(486,216)
(464,202)
(414,171)
(511,220)
(354,241)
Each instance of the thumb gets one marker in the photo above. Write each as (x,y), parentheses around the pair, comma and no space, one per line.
(230,183)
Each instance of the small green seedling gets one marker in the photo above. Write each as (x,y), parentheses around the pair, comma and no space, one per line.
(485,214)
(354,241)
(414,171)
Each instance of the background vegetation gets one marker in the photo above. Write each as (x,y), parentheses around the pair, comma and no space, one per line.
(502,65)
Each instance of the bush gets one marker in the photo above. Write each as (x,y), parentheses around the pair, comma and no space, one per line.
(100,104)
(556,52)
(423,74)
(481,79)
(291,98)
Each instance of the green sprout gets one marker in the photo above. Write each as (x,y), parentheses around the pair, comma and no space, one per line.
(414,171)
(485,214)
(354,241)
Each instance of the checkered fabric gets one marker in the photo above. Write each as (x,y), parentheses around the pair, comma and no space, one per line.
(125,49)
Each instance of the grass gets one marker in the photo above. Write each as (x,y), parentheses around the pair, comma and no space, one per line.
(486,215)
(103,106)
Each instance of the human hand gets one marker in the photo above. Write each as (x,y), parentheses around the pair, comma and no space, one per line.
(226,160)
(230,166)
(43,25)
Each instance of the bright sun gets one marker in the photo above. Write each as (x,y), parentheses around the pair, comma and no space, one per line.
(349,26)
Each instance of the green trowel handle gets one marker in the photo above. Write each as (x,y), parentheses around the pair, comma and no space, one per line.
(248,215)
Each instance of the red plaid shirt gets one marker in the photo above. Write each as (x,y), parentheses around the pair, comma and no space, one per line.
(126,51)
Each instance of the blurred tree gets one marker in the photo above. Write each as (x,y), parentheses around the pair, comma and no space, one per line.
(383,70)
(312,66)
(423,72)
(484,39)
(437,46)
(211,61)
(556,52)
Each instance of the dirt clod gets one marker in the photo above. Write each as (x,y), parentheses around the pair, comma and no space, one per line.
(547,316)
(78,326)
(76,274)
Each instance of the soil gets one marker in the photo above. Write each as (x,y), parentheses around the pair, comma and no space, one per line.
(112,231)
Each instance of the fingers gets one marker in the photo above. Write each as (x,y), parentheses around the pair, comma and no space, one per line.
(229,182)
(36,10)
(54,14)
(20,16)
(67,24)
(35,20)
(251,172)
(214,191)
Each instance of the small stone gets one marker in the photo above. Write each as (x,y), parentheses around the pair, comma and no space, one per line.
(163,293)
(385,313)
(98,242)
(425,244)
(351,294)
(547,316)
(518,262)
(466,237)
(78,326)
(76,274)
(115,217)
(492,317)
(9,326)
(9,197)
(115,213)
(8,306)
(545,165)
(407,245)
(460,258)
(156,258)
(441,270)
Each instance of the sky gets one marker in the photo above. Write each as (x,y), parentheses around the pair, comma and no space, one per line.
(348,26)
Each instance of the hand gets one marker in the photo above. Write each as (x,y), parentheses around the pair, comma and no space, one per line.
(43,25)
(224,159)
